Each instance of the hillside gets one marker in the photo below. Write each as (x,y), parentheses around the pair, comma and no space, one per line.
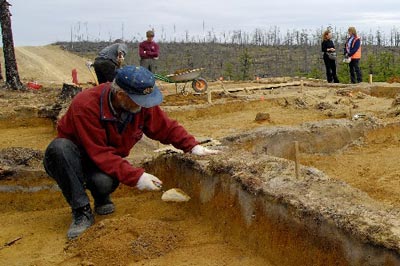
(54,63)
(48,64)
(244,62)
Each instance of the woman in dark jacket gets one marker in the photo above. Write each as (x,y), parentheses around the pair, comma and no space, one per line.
(330,64)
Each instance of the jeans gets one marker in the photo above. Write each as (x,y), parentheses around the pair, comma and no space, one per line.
(105,70)
(355,71)
(330,67)
(63,161)
(148,63)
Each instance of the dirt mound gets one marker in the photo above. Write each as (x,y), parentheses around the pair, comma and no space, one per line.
(14,158)
(130,238)
(49,64)
(19,156)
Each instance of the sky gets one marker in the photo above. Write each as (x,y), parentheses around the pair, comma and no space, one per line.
(41,22)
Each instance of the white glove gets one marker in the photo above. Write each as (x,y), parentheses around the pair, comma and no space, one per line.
(148,182)
(200,150)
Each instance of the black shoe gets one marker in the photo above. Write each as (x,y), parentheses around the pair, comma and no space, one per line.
(104,206)
(82,219)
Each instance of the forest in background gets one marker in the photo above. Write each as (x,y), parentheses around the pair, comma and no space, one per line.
(262,53)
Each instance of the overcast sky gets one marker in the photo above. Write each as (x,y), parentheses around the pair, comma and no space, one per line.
(39,22)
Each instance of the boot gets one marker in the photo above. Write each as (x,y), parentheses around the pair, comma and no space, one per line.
(104,206)
(82,219)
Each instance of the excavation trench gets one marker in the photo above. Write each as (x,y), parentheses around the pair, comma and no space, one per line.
(325,137)
(254,198)
(249,194)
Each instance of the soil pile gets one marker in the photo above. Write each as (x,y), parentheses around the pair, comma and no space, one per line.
(132,239)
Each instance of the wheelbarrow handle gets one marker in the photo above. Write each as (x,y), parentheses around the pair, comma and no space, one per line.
(161,77)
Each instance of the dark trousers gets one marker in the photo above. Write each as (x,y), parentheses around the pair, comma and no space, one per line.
(105,69)
(63,162)
(149,63)
(330,66)
(355,71)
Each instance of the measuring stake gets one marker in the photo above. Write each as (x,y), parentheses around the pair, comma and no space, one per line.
(209,97)
(296,159)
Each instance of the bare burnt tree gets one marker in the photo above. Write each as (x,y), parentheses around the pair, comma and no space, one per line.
(12,77)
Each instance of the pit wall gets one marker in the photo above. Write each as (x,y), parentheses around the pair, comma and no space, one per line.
(387,91)
(325,137)
(271,226)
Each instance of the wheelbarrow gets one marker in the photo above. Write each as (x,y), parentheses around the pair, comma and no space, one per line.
(199,85)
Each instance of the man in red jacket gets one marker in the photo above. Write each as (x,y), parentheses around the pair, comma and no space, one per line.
(99,129)
(148,52)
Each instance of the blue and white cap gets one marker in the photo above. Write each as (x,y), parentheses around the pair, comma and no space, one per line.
(139,83)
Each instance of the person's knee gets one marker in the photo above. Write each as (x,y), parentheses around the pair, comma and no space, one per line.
(59,146)
(58,151)
(104,184)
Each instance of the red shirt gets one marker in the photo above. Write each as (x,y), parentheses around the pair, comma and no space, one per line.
(90,124)
(148,50)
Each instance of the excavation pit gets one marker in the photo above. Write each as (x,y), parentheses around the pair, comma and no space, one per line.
(257,200)
(247,206)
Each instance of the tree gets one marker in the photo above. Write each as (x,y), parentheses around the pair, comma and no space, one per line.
(12,77)
(228,71)
(245,62)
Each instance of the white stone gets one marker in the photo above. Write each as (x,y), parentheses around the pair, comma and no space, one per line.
(175,195)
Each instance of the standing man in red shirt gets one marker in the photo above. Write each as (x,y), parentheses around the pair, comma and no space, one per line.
(148,52)
(98,131)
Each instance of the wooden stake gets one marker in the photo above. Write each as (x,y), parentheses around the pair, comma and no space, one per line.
(301,86)
(209,100)
(370,78)
(296,158)
(350,113)
(223,86)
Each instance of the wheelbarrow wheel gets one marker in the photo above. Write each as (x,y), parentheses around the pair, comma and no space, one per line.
(199,85)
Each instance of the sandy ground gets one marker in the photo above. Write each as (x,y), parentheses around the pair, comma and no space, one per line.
(49,65)
(146,231)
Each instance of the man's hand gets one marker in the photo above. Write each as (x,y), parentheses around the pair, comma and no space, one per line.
(120,60)
(200,150)
(149,182)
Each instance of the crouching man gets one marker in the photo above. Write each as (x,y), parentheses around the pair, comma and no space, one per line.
(99,129)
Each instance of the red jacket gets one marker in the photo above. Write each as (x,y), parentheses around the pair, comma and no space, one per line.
(148,50)
(90,124)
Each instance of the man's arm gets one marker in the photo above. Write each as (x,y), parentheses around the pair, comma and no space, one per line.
(142,52)
(93,137)
(159,126)
(154,52)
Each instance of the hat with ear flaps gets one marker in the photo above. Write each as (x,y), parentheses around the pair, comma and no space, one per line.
(139,83)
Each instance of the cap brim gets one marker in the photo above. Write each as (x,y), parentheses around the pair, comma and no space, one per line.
(148,100)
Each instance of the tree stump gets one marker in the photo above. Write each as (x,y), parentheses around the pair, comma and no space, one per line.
(69,91)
